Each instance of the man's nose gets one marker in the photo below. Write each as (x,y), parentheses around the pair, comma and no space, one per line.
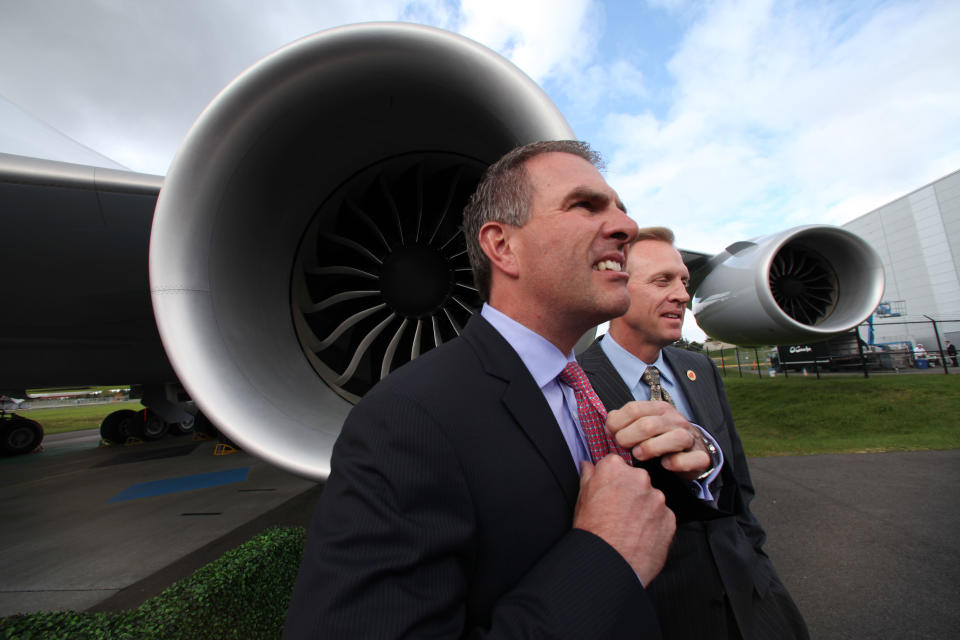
(680,293)
(621,226)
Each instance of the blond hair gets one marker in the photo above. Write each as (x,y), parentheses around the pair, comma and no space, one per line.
(655,233)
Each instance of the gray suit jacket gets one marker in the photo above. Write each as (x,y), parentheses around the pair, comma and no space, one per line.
(717,564)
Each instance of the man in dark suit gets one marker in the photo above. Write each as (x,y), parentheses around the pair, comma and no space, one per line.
(454,506)
(717,582)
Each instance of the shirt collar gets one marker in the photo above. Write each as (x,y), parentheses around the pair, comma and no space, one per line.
(539,355)
(631,367)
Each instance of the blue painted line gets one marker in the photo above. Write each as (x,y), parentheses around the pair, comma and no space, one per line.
(178,485)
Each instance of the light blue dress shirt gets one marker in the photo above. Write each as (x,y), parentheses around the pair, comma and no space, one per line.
(545,362)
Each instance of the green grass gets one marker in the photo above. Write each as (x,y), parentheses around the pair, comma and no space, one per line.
(63,419)
(803,415)
(775,416)
(104,389)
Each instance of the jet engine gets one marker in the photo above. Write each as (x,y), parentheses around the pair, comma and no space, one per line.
(306,240)
(800,285)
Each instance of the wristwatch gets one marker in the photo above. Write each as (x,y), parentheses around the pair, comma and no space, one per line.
(714,456)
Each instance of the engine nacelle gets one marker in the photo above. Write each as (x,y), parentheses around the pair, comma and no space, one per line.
(800,285)
(306,240)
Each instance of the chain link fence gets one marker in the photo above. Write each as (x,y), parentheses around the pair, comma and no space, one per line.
(876,346)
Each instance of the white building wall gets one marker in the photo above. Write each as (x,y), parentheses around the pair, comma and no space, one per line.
(918,239)
(948,197)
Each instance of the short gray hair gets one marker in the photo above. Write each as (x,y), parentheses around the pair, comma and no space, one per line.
(503,195)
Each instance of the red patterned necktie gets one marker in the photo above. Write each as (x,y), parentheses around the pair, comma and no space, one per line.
(593,416)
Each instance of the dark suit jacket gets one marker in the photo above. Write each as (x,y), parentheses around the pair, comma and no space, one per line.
(717,557)
(448,513)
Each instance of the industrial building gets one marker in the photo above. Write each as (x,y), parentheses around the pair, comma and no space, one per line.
(918,239)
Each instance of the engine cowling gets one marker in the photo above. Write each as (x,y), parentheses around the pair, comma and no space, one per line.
(306,240)
(800,285)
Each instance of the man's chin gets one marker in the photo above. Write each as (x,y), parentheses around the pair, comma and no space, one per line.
(671,337)
(617,308)
(672,332)
(608,305)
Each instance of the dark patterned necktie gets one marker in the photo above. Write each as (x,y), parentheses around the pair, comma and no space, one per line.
(593,417)
(651,377)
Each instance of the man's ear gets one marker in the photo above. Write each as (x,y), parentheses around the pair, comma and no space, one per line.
(496,241)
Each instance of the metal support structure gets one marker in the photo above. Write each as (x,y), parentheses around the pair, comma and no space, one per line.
(756,357)
(936,332)
(863,360)
(739,370)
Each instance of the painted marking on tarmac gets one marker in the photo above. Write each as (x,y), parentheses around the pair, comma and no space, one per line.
(179,485)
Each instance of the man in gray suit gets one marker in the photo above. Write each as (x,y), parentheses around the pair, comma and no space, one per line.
(717,582)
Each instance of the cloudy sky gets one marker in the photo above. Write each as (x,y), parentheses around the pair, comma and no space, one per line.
(725,120)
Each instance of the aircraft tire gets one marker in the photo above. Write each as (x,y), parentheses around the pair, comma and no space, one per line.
(184,427)
(117,426)
(149,426)
(20,435)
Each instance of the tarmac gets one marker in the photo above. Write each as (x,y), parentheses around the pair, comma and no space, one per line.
(104,528)
(864,542)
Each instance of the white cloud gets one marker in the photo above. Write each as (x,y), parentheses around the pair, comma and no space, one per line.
(778,113)
(787,114)
(542,37)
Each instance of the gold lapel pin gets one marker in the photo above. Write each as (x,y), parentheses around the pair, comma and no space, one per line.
(691,375)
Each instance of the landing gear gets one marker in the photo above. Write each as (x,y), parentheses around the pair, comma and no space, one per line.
(148,426)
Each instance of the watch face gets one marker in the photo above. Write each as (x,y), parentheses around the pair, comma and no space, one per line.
(714,454)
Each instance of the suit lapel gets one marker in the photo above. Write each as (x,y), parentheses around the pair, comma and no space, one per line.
(692,387)
(705,409)
(524,401)
(695,376)
(606,381)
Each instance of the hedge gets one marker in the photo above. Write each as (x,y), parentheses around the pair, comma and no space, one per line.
(242,595)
